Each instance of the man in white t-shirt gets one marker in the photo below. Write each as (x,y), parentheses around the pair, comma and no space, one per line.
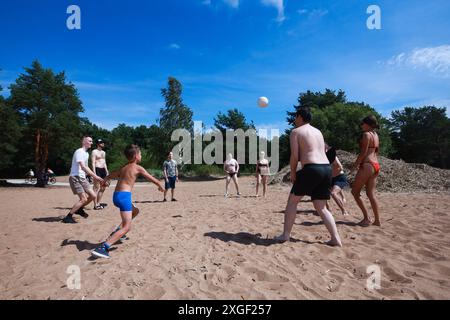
(78,182)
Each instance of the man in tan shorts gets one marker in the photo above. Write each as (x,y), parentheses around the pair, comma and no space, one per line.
(98,161)
(78,182)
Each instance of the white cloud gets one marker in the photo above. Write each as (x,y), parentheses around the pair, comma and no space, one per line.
(434,59)
(279,5)
(313,13)
(174,46)
(232,3)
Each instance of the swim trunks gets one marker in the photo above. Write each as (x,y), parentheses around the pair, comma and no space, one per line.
(340,181)
(122,200)
(313,180)
(101,172)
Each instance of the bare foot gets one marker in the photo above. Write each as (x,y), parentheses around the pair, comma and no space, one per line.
(281,238)
(364,223)
(377,223)
(345,213)
(334,243)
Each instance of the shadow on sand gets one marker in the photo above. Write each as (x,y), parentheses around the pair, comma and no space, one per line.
(248,238)
(82,245)
(314,212)
(149,201)
(347,223)
(48,219)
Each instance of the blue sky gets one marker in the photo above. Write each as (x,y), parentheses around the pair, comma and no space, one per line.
(227,53)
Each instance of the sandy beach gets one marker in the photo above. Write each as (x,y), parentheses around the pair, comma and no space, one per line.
(207,247)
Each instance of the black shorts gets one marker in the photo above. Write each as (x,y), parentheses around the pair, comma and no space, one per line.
(313,180)
(340,181)
(101,172)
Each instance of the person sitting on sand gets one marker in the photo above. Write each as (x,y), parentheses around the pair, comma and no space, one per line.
(314,179)
(368,169)
(262,173)
(126,176)
(338,182)
(231,167)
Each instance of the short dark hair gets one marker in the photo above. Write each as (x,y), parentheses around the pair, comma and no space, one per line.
(131,151)
(305,113)
(371,121)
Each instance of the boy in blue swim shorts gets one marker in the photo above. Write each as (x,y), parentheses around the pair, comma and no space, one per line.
(122,198)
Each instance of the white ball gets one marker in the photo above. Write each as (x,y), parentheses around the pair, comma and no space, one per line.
(263,102)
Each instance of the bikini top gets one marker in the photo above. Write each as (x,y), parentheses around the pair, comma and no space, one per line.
(263,164)
(372,142)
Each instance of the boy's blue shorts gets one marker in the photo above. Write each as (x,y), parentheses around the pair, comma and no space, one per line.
(122,200)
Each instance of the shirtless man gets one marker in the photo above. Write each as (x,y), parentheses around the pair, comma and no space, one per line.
(98,161)
(314,179)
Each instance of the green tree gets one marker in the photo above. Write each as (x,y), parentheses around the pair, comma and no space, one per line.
(49,107)
(422,135)
(174,115)
(317,100)
(10,137)
(232,120)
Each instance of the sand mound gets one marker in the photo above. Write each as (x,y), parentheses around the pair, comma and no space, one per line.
(395,175)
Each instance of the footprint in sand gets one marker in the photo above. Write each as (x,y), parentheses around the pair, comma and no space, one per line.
(395,276)
(264,276)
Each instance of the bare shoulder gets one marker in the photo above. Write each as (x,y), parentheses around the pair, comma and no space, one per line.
(140,169)
(296,132)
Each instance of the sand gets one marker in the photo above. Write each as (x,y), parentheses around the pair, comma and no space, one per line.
(207,247)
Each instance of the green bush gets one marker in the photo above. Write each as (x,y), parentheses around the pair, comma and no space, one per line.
(157,173)
(202,170)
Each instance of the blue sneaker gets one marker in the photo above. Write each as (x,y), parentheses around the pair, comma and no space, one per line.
(100,252)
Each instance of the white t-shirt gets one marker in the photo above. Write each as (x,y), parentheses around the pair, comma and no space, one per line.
(80,155)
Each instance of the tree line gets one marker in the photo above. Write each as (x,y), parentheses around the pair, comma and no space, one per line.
(42,125)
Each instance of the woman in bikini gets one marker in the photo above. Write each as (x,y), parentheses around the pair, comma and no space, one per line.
(262,173)
(368,169)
